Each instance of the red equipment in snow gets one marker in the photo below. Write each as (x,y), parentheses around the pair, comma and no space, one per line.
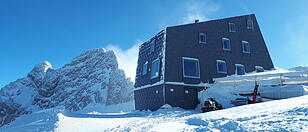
(254,95)
(205,88)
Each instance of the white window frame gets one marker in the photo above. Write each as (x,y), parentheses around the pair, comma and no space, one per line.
(250,21)
(152,77)
(202,34)
(230,25)
(244,48)
(256,67)
(239,65)
(221,61)
(223,46)
(183,66)
(146,69)
(152,45)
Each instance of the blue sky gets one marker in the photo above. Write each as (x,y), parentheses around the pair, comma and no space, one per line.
(32,31)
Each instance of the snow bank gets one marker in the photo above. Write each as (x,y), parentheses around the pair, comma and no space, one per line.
(166,106)
(115,108)
(280,115)
(58,119)
(43,120)
(283,92)
(231,87)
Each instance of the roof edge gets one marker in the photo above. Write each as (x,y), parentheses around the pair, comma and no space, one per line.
(213,20)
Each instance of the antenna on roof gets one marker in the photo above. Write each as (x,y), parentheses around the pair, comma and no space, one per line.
(196,21)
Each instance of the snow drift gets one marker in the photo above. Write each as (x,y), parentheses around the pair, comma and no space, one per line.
(90,79)
(280,115)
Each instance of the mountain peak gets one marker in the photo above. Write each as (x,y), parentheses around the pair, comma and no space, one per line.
(42,66)
(90,79)
(92,53)
(39,70)
(299,68)
(95,58)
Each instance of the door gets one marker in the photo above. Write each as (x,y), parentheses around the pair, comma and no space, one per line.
(190,98)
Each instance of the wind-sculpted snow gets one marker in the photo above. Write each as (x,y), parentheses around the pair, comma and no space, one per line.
(91,78)
(280,115)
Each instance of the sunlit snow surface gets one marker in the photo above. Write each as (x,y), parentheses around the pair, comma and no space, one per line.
(280,115)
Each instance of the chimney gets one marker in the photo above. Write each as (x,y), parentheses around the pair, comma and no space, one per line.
(196,21)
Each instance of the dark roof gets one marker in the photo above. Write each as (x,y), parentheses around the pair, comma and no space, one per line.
(213,20)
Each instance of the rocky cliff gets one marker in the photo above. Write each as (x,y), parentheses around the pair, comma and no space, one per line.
(92,77)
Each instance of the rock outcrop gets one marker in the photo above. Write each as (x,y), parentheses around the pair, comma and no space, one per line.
(92,77)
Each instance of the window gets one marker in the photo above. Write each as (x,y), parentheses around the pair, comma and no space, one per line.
(191,67)
(239,69)
(155,69)
(231,27)
(145,68)
(259,69)
(249,24)
(226,44)
(221,66)
(152,44)
(246,47)
(202,38)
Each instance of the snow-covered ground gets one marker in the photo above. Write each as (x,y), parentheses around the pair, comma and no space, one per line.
(50,119)
(280,115)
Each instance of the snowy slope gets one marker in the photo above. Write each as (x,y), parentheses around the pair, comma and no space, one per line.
(90,79)
(280,115)
(46,120)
